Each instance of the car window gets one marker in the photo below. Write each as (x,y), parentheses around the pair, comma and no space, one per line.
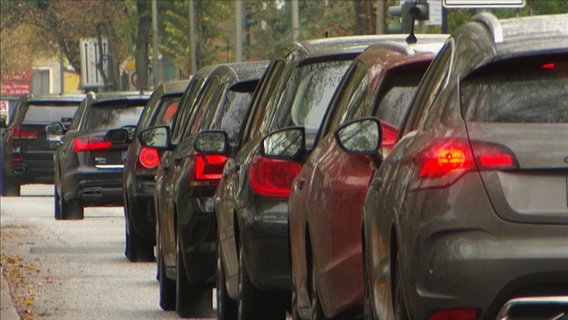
(186,108)
(307,95)
(503,92)
(49,113)
(109,117)
(207,103)
(168,109)
(273,81)
(432,84)
(235,112)
(349,97)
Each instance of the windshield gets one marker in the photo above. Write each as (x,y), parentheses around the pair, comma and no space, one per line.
(49,113)
(109,117)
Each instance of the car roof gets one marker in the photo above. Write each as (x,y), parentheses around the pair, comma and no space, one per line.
(524,35)
(56,97)
(243,71)
(172,86)
(105,97)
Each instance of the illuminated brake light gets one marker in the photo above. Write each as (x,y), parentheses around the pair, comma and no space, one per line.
(19,133)
(149,158)
(454,314)
(207,170)
(272,177)
(445,161)
(549,66)
(90,144)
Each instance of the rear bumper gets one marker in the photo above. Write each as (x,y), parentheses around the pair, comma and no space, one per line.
(30,171)
(93,187)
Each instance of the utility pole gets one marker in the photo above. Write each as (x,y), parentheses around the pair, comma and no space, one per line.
(381,16)
(155,68)
(295,20)
(239,31)
(192,41)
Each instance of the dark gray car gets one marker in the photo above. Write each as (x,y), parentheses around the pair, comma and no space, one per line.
(467,217)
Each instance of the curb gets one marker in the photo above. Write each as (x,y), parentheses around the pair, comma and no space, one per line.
(7,309)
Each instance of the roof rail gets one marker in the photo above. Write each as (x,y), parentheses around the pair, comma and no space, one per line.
(492,24)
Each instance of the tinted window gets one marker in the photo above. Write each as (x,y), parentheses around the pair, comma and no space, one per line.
(168,110)
(49,113)
(108,117)
(307,95)
(235,113)
(527,90)
(186,108)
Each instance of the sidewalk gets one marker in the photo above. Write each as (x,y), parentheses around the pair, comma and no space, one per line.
(7,312)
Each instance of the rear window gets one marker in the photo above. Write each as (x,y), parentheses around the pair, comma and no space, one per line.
(49,113)
(109,117)
(521,90)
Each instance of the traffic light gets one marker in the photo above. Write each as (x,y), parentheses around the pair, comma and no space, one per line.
(420,11)
(408,12)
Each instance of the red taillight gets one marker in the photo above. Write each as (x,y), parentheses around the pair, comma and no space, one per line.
(454,314)
(444,161)
(549,66)
(90,143)
(149,158)
(19,133)
(272,177)
(207,170)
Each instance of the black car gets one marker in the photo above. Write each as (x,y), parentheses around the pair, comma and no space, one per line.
(251,202)
(140,168)
(88,165)
(27,153)
(186,230)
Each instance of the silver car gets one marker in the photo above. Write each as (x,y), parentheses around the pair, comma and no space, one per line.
(467,217)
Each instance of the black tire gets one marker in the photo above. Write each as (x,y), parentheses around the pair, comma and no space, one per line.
(10,187)
(193,299)
(317,311)
(56,207)
(167,287)
(226,307)
(138,248)
(255,304)
(71,210)
(400,307)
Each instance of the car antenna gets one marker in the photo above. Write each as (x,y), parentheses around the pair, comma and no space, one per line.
(411,37)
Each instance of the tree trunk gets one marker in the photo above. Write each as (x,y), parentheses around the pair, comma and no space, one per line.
(142,39)
(365,15)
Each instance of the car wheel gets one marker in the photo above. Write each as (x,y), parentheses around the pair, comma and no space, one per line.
(167,287)
(138,248)
(71,210)
(193,299)
(317,311)
(226,307)
(255,304)
(10,187)
(56,206)
(400,307)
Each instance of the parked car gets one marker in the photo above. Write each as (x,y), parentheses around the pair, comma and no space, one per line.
(466,218)
(251,202)
(140,168)
(27,153)
(186,225)
(89,162)
(327,196)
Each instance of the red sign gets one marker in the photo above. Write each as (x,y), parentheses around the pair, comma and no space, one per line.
(15,88)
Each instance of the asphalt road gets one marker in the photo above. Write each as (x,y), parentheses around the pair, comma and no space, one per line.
(73,269)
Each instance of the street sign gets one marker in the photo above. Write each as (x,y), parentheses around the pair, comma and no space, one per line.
(484,3)
(90,57)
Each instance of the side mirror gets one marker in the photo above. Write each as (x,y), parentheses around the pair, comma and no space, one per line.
(117,136)
(131,132)
(284,144)
(54,132)
(212,142)
(362,136)
(156,137)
